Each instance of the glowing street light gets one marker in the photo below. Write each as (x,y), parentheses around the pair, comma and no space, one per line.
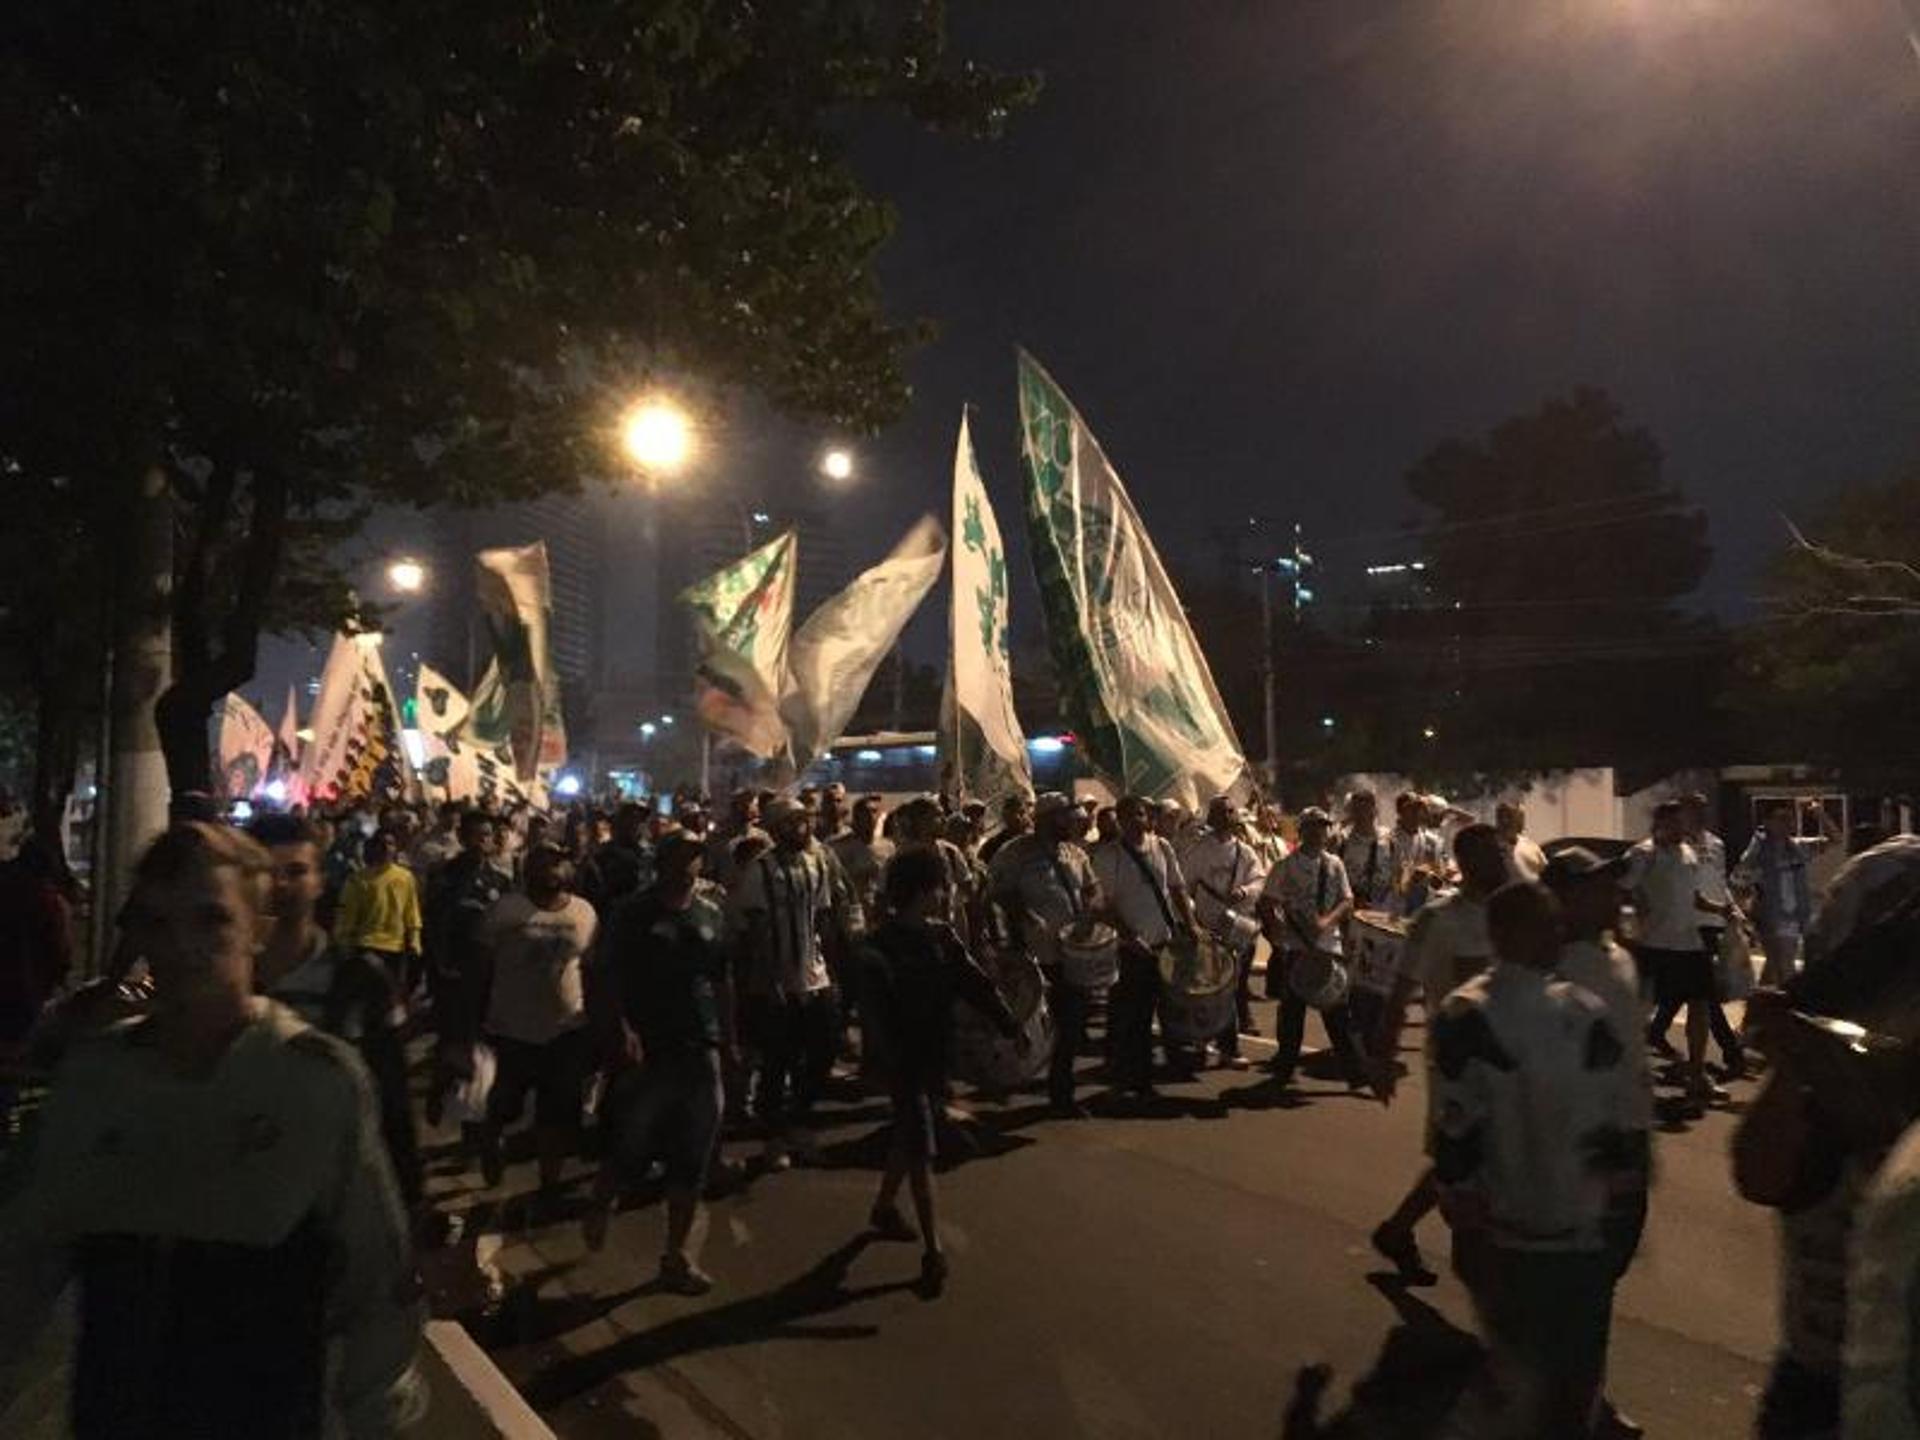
(837,464)
(658,435)
(406,575)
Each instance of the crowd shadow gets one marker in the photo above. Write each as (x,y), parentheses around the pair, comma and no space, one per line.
(784,1313)
(1426,1365)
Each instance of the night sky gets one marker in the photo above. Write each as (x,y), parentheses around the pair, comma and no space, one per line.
(1276,250)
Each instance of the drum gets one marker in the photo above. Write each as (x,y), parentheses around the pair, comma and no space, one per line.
(1197,990)
(1318,978)
(1089,955)
(1238,931)
(988,1060)
(1379,939)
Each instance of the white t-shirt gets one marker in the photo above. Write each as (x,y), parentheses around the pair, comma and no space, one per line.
(1665,881)
(1529,1082)
(1368,856)
(1123,876)
(1306,887)
(1525,860)
(794,891)
(1606,971)
(1447,945)
(538,989)
(1223,873)
(1712,851)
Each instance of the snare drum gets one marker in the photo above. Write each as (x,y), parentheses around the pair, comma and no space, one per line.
(1089,956)
(1379,940)
(988,1060)
(1197,990)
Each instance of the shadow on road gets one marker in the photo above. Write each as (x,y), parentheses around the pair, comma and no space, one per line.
(1425,1365)
(780,1314)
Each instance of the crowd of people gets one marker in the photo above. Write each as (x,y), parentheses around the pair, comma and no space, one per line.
(237,1107)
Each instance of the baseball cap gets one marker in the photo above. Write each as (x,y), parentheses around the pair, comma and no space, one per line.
(1576,862)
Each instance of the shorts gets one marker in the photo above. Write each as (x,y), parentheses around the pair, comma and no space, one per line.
(667,1110)
(1678,977)
(556,1072)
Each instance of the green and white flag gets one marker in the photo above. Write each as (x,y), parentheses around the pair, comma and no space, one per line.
(438,706)
(742,617)
(355,753)
(1132,678)
(836,652)
(515,592)
(983,752)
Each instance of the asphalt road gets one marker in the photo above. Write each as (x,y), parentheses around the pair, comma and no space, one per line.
(1176,1275)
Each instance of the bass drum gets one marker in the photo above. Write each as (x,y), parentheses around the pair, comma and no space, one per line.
(982,1056)
(1379,939)
(1089,956)
(1318,978)
(1197,990)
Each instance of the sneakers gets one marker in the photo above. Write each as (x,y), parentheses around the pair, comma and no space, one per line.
(887,1223)
(1402,1251)
(680,1276)
(1235,1062)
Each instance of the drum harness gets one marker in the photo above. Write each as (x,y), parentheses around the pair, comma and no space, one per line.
(1153,884)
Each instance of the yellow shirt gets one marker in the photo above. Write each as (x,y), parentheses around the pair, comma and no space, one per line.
(379,911)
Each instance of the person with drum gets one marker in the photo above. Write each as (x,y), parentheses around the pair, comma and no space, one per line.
(1147,903)
(915,967)
(1225,876)
(1419,857)
(1366,849)
(1304,907)
(1044,884)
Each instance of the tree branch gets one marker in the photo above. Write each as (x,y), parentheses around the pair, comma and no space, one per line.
(1837,560)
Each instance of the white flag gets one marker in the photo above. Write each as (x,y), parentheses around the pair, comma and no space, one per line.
(987,756)
(245,749)
(355,752)
(439,707)
(1132,677)
(289,735)
(834,655)
(516,600)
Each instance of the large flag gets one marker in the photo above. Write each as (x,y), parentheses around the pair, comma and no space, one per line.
(289,733)
(462,770)
(438,706)
(742,617)
(835,653)
(1132,679)
(355,752)
(983,752)
(515,593)
(245,748)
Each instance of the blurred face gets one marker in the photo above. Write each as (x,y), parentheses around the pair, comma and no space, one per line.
(1106,824)
(1666,828)
(1780,822)
(693,820)
(477,836)
(1482,865)
(548,874)
(379,851)
(1134,820)
(1313,835)
(1530,934)
(1410,814)
(866,820)
(746,809)
(1017,814)
(1364,812)
(295,883)
(795,833)
(198,933)
(1591,905)
(833,807)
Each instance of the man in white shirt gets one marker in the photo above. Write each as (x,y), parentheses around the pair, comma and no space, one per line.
(785,903)
(1043,882)
(1447,945)
(1525,860)
(537,1013)
(1225,877)
(1365,848)
(1711,851)
(1419,857)
(1533,1111)
(1663,876)
(1146,901)
(1304,907)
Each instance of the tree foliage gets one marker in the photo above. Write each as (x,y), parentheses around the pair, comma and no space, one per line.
(306,254)
(1828,671)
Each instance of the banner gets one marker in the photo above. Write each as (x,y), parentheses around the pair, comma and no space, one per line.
(245,749)
(515,593)
(835,653)
(983,752)
(355,751)
(1132,679)
(480,775)
(742,617)
(438,706)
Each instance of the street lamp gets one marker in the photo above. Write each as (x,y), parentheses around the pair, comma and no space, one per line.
(658,434)
(406,575)
(837,464)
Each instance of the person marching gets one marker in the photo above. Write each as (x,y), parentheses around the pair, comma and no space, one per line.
(785,902)
(1304,907)
(914,968)
(1226,876)
(1147,902)
(459,966)
(1366,849)
(380,913)
(1712,853)
(1447,945)
(665,959)
(1419,857)
(1044,883)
